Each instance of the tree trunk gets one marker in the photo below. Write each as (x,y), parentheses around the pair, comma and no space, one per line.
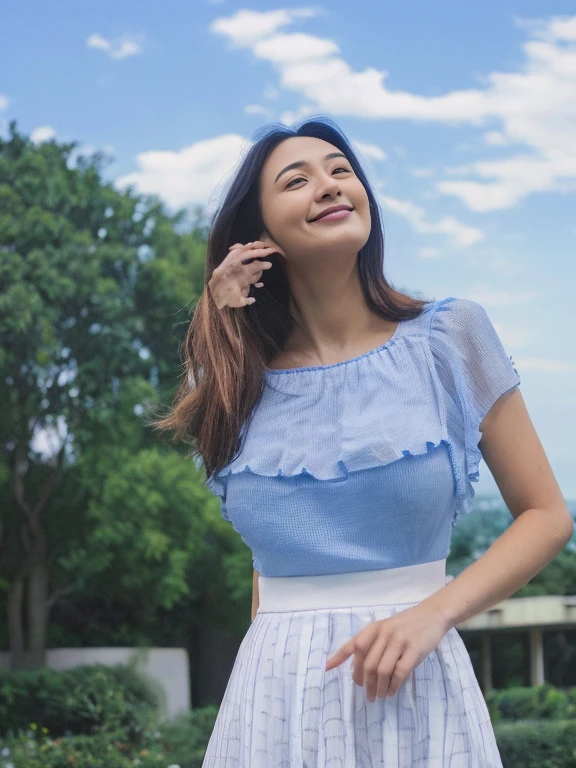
(15,617)
(37,613)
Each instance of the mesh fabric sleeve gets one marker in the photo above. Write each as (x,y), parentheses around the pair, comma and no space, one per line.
(473,367)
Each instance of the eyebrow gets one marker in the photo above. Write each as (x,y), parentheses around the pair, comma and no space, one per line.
(302,163)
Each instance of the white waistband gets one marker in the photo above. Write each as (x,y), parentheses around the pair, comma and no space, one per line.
(409,584)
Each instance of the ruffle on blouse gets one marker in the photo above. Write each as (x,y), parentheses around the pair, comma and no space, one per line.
(431,383)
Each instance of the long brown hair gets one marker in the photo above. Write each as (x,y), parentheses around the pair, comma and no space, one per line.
(226,352)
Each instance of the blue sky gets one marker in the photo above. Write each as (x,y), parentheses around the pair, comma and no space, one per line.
(464,115)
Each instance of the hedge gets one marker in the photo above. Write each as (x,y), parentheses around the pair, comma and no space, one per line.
(541,702)
(537,743)
(179,743)
(79,701)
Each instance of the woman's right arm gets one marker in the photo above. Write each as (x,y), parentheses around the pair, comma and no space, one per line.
(255,596)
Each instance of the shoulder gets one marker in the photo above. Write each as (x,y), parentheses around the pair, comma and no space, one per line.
(460,321)
(456,309)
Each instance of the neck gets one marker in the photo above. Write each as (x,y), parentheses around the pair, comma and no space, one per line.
(330,311)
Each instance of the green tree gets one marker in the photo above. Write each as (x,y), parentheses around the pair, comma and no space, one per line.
(91,315)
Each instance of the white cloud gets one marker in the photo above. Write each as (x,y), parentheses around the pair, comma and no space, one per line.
(271,93)
(188,176)
(461,234)
(120,48)
(298,48)
(371,150)
(3,101)
(258,109)
(531,111)
(245,27)
(429,253)
(291,116)
(560,28)
(495,138)
(422,173)
(43,133)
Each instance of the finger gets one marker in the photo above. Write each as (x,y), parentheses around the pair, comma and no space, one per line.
(367,674)
(240,245)
(275,246)
(259,267)
(244,254)
(268,243)
(253,257)
(341,654)
(367,657)
(386,669)
(405,665)
(255,253)
(258,285)
(359,644)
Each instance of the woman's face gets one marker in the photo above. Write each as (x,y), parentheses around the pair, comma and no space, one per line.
(290,198)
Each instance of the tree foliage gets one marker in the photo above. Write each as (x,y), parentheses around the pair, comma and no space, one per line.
(96,290)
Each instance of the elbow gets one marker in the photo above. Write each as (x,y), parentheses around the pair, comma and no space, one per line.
(564,529)
(571,528)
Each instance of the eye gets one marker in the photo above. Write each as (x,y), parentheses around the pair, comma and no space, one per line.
(300,178)
(294,181)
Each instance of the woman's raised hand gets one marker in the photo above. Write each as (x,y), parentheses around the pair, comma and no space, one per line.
(231,280)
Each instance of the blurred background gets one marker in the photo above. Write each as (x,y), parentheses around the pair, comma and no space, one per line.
(123,594)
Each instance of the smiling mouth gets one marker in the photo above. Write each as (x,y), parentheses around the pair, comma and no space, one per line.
(343,213)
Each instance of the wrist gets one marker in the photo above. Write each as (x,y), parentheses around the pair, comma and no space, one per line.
(441,607)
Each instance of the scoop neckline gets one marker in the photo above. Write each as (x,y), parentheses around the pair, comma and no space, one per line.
(275,371)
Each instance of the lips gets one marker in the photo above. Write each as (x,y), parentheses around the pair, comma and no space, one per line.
(333,209)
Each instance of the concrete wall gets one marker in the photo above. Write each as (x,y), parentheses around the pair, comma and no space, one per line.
(167,668)
(526,612)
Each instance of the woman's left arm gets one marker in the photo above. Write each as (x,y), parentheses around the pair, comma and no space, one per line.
(387,650)
(542,526)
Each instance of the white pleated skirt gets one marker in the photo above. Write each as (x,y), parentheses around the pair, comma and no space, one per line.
(282,709)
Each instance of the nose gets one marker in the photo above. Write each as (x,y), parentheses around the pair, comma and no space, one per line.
(327,185)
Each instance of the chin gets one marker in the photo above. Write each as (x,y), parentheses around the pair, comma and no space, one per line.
(348,239)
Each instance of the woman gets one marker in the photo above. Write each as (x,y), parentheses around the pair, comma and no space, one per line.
(341,423)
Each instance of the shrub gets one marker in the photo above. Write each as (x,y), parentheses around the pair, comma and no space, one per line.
(79,701)
(542,702)
(102,750)
(537,744)
(181,741)
(185,738)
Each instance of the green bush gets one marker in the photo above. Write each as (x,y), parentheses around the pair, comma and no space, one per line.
(185,738)
(537,744)
(102,750)
(181,741)
(542,702)
(79,701)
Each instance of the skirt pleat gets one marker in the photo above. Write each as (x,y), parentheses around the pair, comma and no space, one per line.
(282,709)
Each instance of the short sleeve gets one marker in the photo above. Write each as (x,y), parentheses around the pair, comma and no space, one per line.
(473,367)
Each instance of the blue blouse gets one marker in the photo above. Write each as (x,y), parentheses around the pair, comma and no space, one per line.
(368,463)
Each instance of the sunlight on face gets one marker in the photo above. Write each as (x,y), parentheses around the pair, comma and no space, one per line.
(291,197)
